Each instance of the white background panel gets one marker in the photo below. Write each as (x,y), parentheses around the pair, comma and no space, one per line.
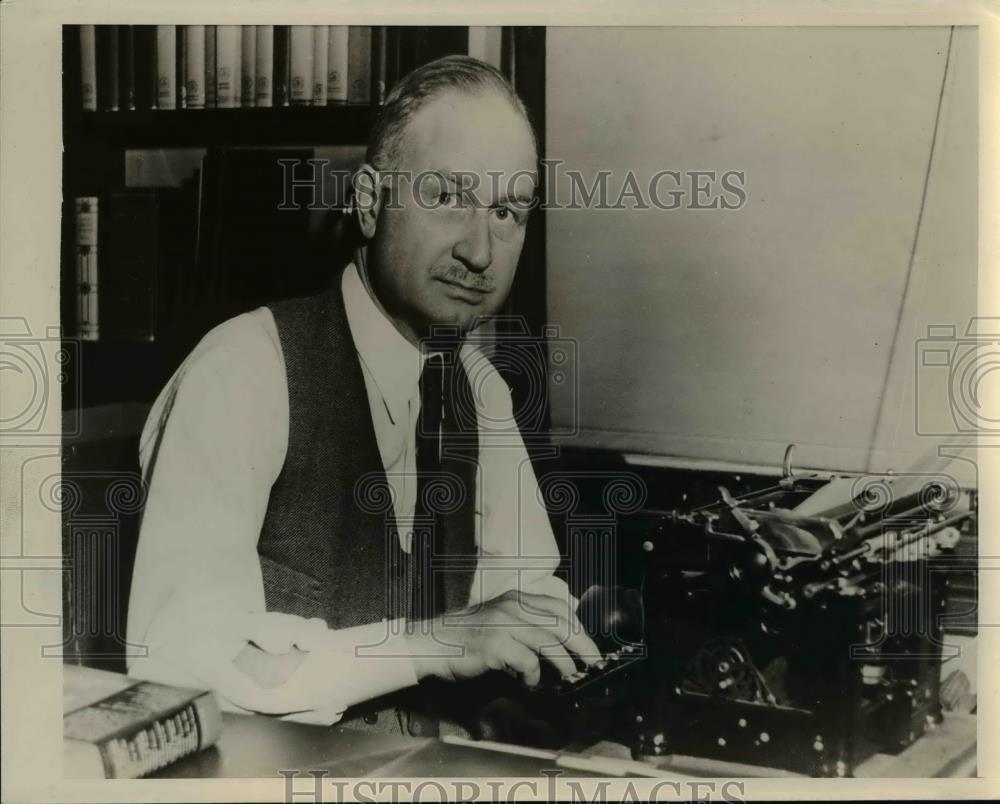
(727,334)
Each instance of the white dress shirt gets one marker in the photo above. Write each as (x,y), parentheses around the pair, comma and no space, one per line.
(212,447)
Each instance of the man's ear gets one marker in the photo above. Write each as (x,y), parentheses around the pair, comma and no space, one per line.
(367,202)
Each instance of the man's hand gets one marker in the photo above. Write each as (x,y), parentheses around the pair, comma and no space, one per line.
(509,632)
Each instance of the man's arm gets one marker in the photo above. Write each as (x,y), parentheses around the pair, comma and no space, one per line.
(213,446)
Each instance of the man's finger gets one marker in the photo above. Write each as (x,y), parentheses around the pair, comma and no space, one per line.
(522,660)
(567,631)
(541,642)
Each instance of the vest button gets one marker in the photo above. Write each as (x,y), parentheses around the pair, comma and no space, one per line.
(371,719)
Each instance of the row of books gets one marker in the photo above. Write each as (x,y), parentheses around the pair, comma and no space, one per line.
(128,67)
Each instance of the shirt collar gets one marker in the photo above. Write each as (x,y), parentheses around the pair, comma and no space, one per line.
(392,361)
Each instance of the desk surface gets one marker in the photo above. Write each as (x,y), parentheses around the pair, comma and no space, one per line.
(261,747)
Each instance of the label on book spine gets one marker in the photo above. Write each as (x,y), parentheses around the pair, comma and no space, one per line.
(336,66)
(248,64)
(166,66)
(265,66)
(88,68)
(321,39)
(228,66)
(194,66)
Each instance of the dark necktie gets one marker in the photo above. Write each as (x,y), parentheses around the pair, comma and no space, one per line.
(447,450)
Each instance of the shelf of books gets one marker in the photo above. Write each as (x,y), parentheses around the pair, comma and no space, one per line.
(181,142)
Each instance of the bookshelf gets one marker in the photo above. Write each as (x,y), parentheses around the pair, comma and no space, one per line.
(94,164)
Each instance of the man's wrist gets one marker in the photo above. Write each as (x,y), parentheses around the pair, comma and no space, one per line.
(425,653)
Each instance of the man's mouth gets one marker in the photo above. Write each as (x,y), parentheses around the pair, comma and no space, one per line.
(471,294)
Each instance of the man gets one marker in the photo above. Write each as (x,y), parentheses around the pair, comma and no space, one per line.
(267,568)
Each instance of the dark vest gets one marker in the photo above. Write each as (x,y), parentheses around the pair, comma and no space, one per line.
(328,547)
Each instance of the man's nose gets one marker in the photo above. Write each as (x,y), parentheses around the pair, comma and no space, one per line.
(475,248)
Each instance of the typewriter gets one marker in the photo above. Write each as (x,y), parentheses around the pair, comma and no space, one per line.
(796,627)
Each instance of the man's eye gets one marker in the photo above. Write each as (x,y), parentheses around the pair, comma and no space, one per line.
(505,214)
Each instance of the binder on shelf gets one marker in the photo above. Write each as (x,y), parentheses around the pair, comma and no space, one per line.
(228,66)
(321,38)
(211,44)
(359,66)
(166,66)
(88,68)
(85,235)
(248,64)
(337,64)
(194,67)
(264,69)
(300,83)
(107,68)
(282,64)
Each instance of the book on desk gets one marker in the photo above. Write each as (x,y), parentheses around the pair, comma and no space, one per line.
(115,727)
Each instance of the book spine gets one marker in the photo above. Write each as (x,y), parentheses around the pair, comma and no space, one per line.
(152,747)
(194,66)
(264,75)
(88,68)
(107,67)
(145,66)
(393,56)
(336,57)
(321,38)
(166,66)
(211,62)
(248,64)
(484,43)
(237,65)
(301,60)
(181,67)
(86,267)
(126,67)
(359,65)
(228,66)
(129,260)
(282,64)
(379,78)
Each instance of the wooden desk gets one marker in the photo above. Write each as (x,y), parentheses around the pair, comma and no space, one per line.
(260,747)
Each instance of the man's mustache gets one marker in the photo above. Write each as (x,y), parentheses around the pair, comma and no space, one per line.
(462,276)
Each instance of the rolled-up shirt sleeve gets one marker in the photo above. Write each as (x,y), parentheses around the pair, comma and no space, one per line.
(212,447)
(517,546)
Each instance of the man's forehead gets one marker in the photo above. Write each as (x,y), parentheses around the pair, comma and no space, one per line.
(478,132)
